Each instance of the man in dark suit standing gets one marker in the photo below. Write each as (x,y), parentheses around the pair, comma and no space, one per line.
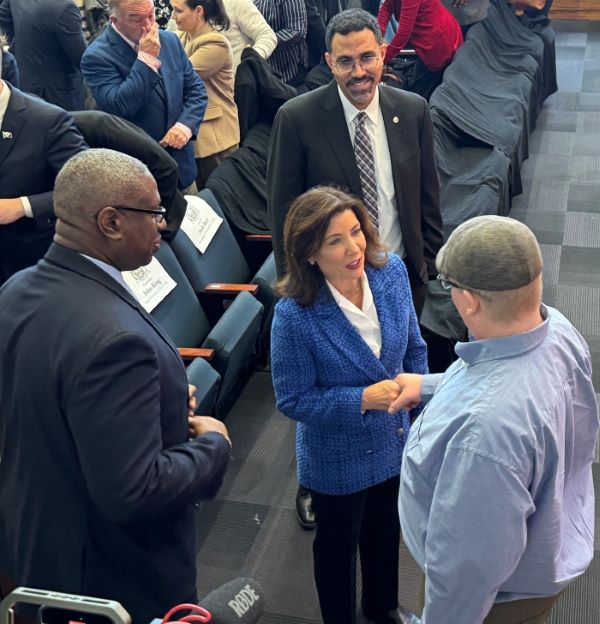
(141,73)
(375,141)
(36,139)
(48,44)
(102,461)
(313,143)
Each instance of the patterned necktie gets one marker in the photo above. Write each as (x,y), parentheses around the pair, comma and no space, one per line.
(363,151)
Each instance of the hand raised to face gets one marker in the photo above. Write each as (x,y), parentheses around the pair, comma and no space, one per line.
(149,41)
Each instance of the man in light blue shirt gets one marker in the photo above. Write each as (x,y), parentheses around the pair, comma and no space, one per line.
(496,499)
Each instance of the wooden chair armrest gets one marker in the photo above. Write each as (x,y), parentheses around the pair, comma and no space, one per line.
(231,289)
(407,52)
(265,238)
(189,353)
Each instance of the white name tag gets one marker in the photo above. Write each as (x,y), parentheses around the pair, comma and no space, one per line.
(200,223)
(150,284)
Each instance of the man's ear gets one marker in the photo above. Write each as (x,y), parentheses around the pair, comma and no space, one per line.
(382,50)
(110,223)
(473,302)
(329,60)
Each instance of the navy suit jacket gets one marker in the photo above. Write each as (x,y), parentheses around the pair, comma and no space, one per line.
(48,44)
(321,365)
(99,478)
(125,86)
(37,139)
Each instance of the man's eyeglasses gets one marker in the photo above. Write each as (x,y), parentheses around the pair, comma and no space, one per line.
(446,283)
(159,213)
(347,65)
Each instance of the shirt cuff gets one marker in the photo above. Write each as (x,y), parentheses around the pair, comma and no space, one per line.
(27,207)
(152,62)
(184,129)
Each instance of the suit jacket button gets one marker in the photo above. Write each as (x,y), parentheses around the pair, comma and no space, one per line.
(400,430)
(369,451)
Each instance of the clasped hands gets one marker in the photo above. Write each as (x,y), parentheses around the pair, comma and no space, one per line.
(392,395)
(200,425)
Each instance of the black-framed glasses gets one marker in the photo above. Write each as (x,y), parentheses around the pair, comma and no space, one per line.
(446,283)
(159,214)
(347,65)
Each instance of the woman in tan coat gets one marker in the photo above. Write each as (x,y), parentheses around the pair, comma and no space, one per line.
(199,23)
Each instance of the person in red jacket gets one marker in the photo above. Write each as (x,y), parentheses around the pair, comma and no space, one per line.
(428,27)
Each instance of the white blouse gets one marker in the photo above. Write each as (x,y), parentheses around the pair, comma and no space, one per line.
(364,320)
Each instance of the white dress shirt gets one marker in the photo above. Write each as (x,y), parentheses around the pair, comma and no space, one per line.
(389,220)
(365,319)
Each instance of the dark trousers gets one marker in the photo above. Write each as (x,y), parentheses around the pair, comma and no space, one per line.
(367,520)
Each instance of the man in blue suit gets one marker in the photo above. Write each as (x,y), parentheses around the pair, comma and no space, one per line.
(36,139)
(48,44)
(142,74)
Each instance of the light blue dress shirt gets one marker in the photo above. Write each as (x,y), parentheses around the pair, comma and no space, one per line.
(496,497)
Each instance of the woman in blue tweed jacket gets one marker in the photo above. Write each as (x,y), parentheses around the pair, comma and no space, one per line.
(344,328)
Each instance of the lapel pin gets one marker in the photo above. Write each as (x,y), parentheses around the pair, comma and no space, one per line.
(395,119)
(6,135)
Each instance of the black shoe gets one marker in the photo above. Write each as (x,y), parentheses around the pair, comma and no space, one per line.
(401,615)
(304,511)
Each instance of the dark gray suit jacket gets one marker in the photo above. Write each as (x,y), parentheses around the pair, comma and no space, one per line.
(310,146)
(48,42)
(98,479)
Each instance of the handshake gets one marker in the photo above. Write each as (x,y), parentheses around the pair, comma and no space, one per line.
(392,395)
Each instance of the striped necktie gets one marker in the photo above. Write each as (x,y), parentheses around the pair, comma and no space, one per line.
(363,151)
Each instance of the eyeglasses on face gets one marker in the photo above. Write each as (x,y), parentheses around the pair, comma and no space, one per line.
(159,213)
(366,61)
(446,283)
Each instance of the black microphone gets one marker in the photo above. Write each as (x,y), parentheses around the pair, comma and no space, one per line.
(240,601)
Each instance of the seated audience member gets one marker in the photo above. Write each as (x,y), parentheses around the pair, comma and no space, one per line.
(496,496)
(99,475)
(289,21)
(154,87)
(9,71)
(248,28)
(429,28)
(37,139)
(100,129)
(199,23)
(49,42)
(345,324)
(467,12)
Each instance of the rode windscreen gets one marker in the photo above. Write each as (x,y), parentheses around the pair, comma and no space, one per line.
(240,601)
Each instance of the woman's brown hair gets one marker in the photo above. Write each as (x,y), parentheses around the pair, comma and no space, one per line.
(303,234)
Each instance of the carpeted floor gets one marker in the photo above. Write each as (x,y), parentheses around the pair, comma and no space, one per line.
(251,529)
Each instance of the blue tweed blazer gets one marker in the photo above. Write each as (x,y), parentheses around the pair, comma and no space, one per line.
(321,365)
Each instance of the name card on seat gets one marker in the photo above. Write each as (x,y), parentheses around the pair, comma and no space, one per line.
(200,223)
(150,284)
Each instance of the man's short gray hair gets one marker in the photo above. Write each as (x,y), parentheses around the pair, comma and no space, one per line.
(94,179)
(115,6)
(349,21)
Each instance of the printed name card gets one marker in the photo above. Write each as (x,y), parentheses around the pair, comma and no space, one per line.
(200,223)
(150,284)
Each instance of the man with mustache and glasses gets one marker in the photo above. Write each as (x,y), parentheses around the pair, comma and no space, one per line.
(372,140)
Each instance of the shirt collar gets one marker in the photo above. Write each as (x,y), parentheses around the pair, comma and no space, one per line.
(350,111)
(112,271)
(125,39)
(343,302)
(508,346)
(4,98)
